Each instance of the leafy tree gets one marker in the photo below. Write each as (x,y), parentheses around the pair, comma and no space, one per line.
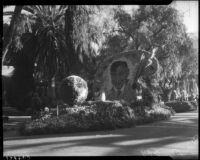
(190,63)
(149,27)
(10,31)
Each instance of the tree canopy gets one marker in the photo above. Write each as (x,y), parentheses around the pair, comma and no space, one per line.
(70,38)
(153,26)
(62,36)
(59,40)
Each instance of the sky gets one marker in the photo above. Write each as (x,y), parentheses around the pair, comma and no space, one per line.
(191,14)
(189,9)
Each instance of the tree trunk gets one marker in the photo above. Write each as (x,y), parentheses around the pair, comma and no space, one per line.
(10,32)
(143,62)
(69,22)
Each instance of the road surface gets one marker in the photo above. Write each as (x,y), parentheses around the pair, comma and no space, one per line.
(177,137)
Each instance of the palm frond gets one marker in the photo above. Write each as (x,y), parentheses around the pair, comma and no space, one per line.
(28,9)
(57,18)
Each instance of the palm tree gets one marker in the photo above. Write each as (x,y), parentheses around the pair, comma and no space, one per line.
(44,45)
(63,36)
(56,39)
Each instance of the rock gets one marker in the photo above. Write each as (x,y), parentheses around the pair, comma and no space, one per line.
(73,90)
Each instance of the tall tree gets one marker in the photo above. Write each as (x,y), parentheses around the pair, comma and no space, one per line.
(10,32)
(81,33)
(152,26)
(57,39)
(149,27)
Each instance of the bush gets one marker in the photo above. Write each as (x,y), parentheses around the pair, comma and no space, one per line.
(90,116)
(183,106)
(96,116)
(157,112)
(194,103)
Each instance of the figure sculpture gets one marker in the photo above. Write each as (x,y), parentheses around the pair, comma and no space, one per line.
(118,74)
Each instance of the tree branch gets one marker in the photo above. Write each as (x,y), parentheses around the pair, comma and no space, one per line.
(159,31)
(124,31)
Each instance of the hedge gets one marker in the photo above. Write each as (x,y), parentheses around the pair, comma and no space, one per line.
(95,116)
(157,112)
(87,117)
(182,106)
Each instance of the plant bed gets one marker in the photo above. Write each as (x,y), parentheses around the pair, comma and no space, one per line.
(95,116)
(194,103)
(157,112)
(90,116)
(182,106)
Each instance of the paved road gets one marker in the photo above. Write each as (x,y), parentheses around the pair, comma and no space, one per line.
(175,137)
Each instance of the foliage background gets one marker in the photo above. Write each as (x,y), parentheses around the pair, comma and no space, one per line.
(52,42)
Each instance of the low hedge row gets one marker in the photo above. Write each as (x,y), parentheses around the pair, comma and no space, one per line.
(87,117)
(95,116)
(195,104)
(157,112)
(182,106)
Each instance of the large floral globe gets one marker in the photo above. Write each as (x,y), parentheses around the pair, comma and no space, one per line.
(73,90)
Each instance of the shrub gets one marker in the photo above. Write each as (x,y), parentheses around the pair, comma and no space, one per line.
(194,103)
(96,116)
(182,106)
(90,116)
(157,112)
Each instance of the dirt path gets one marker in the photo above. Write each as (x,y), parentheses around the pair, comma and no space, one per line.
(176,137)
